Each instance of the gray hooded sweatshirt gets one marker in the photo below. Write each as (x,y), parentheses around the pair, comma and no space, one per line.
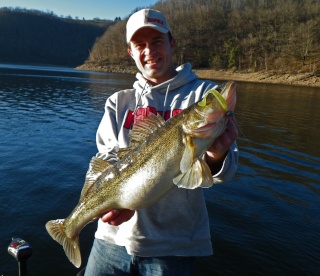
(177,224)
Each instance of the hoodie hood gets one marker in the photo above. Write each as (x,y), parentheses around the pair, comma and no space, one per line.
(184,76)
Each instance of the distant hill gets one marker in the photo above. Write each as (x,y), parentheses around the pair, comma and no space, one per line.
(235,35)
(34,37)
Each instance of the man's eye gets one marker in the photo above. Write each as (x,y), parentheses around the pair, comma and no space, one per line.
(139,46)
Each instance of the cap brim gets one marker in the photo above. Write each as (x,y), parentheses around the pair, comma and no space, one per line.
(157,28)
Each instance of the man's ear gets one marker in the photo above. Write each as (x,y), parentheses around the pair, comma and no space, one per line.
(173,43)
(129,52)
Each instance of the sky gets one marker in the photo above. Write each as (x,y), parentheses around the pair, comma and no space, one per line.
(88,9)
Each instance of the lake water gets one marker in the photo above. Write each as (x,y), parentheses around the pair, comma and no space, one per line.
(266,221)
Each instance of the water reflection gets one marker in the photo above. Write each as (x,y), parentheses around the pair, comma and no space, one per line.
(280,117)
(264,222)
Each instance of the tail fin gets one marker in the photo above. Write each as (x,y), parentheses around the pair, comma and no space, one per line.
(71,246)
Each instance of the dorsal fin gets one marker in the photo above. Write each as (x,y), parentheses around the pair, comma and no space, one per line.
(96,167)
(144,128)
(141,130)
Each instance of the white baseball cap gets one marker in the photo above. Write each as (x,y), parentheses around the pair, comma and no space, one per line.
(146,18)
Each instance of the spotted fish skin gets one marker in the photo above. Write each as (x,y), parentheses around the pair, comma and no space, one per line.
(160,155)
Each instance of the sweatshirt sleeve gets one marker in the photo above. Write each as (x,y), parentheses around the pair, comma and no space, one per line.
(107,133)
(229,166)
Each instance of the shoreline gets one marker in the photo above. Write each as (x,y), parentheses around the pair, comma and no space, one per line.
(299,79)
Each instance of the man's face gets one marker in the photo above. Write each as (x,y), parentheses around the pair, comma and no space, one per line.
(152,53)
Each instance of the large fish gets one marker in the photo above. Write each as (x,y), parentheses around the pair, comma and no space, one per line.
(160,155)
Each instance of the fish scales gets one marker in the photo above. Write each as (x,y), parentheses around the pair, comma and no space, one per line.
(160,156)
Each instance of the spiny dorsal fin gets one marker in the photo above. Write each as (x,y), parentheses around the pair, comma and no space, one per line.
(96,168)
(141,131)
(144,128)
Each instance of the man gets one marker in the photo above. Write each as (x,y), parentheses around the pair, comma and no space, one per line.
(165,238)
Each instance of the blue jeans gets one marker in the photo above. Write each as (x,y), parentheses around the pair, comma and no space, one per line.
(109,259)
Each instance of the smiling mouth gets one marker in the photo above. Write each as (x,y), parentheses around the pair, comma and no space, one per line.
(152,61)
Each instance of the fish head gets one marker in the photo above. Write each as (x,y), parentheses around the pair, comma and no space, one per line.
(212,112)
(215,105)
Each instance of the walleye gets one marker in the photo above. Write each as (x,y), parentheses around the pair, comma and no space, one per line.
(160,155)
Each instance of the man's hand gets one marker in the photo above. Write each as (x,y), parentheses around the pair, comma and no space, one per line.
(116,216)
(220,147)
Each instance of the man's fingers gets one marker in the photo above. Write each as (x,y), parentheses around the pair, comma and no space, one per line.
(116,217)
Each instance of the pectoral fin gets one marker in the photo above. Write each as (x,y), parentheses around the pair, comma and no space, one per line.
(194,171)
(188,154)
(198,175)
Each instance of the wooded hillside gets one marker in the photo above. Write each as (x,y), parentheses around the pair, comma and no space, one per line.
(242,35)
(31,36)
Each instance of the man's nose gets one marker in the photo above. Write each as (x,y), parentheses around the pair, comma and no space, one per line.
(149,49)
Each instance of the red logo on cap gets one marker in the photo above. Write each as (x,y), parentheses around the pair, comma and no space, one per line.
(155,20)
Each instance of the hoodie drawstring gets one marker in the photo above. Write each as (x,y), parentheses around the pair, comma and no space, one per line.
(140,96)
(165,101)
(143,92)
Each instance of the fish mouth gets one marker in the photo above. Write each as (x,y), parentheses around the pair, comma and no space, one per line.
(209,129)
(211,115)
(204,131)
